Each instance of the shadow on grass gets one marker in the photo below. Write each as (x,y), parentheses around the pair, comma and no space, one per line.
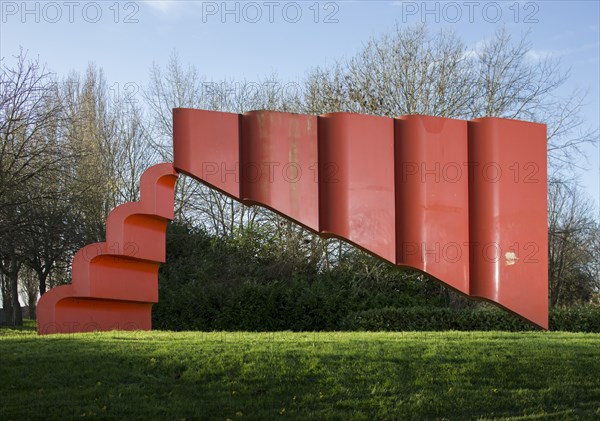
(235,375)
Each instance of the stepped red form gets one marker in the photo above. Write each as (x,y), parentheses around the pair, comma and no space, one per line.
(116,282)
(462,201)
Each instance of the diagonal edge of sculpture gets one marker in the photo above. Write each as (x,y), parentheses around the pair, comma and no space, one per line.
(462,201)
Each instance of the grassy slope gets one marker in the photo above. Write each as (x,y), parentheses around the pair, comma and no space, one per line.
(195,375)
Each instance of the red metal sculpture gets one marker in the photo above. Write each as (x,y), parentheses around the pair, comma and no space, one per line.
(116,282)
(463,201)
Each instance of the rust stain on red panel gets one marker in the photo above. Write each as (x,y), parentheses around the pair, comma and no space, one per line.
(209,147)
(279,164)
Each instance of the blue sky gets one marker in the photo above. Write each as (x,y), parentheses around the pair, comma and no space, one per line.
(249,40)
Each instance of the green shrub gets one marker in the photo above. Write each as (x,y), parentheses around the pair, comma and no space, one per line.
(212,283)
(579,319)
(485,318)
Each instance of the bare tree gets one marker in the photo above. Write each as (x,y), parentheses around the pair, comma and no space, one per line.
(29,156)
(70,153)
(511,85)
(176,86)
(28,288)
(573,246)
(410,71)
(403,72)
(133,154)
(107,132)
(27,109)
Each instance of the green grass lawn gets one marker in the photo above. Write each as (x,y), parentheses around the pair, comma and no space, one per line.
(262,376)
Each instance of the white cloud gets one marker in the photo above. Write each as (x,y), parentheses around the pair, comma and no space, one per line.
(162,6)
(475,50)
(538,55)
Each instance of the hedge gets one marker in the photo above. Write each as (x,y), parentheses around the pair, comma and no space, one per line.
(581,319)
(245,283)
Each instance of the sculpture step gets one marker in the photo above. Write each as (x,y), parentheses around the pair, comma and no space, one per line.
(71,315)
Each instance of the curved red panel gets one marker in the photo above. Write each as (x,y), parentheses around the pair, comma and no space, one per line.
(508,203)
(279,158)
(416,191)
(432,193)
(209,147)
(357,194)
(115,282)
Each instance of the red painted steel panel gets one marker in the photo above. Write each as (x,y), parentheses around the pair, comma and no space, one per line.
(508,225)
(122,278)
(432,195)
(132,232)
(357,194)
(208,147)
(279,164)
(89,315)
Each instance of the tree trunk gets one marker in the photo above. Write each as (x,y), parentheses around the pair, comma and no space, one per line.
(13,284)
(42,277)
(10,290)
(32,298)
(31,304)
(6,299)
